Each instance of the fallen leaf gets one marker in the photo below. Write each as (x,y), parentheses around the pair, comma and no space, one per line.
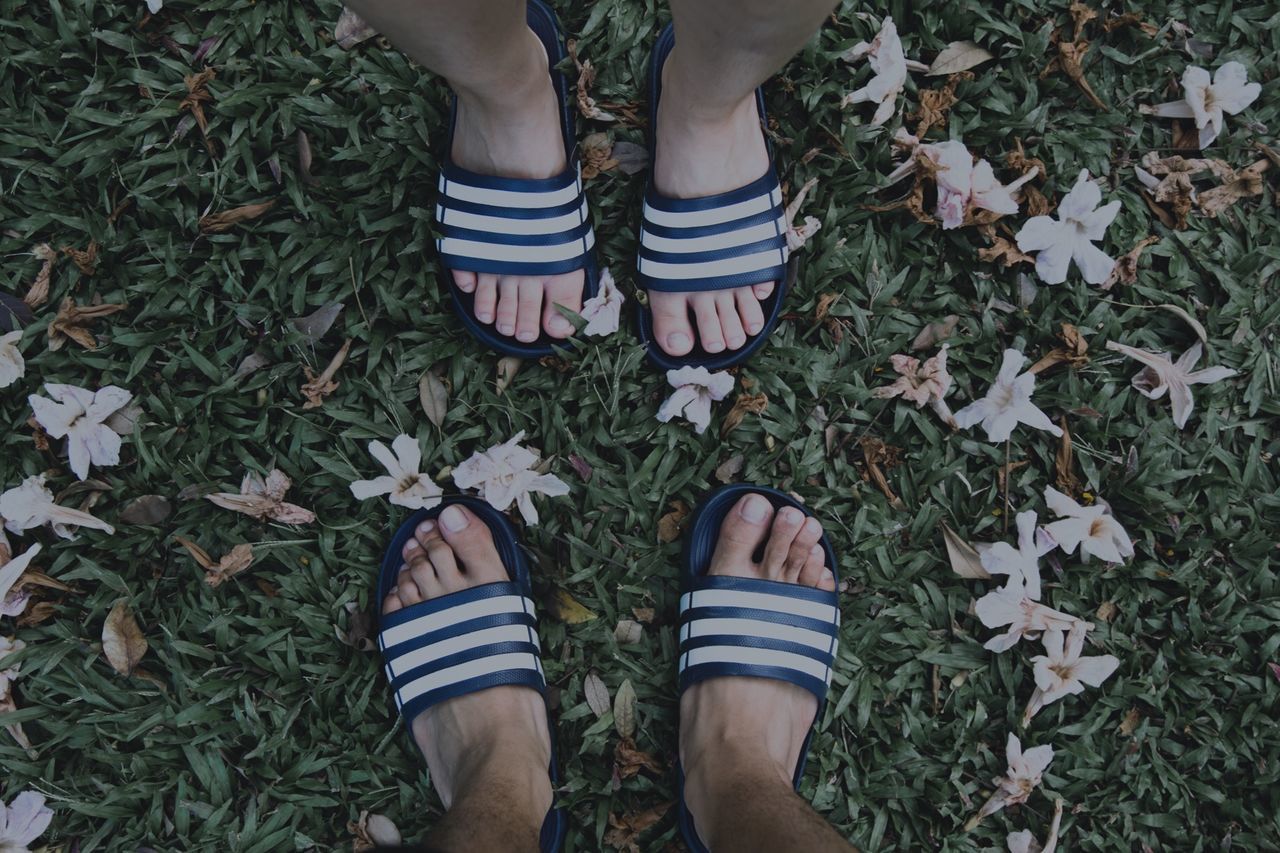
(628,632)
(38,293)
(568,609)
(597,694)
(629,761)
(581,467)
(1005,252)
(359,633)
(147,509)
(876,453)
(597,155)
(644,615)
(1129,724)
(72,323)
(197,96)
(351,30)
(1126,268)
(670,525)
(1074,351)
(315,325)
(935,333)
(729,468)
(1064,464)
(508,367)
(304,157)
(623,831)
(965,560)
(746,403)
(250,364)
(434,396)
(1106,611)
(586,79)
(958,56)
(1130,19)
(624,709)
(631,158)
(319,386)
(122,640)
(85,260)
(936,103)
(1070,61)
(219,223)
(231,564)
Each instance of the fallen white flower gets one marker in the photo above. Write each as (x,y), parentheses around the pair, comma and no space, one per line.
(1093,528)
(929,383)
(504,474)
(889,63)
(1071,236)
(80,415)
(264,499)
(798,235)
(1024,773)
(31,505)
(1161,376)
(406,485)
(22,821)
(1210,100)
(13,605)
(1010,605)
(154,6)
(12,366)
(696,389)
(1021,563)
(1025,842)
(1063,672)
(964,186)
(603,312)
(1007,404)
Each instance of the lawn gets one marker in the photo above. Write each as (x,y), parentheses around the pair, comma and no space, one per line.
(258,720)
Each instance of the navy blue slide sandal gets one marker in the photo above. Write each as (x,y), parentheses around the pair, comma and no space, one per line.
(466,641)
(749,626)
(517,226)
(733,239)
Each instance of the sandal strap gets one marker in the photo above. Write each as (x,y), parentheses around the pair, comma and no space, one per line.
(732,239)
(460,643)
(512,226)
(767,629)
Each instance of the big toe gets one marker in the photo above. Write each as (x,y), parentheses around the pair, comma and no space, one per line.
(741,533)
(671,327)
(472,544)
(565,290)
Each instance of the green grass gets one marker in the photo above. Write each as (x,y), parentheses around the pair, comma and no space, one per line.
(259,730)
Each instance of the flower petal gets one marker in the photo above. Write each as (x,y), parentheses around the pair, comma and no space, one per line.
(1039,233)
(365,489)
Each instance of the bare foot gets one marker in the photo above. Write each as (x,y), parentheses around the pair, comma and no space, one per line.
(701,153)
(739,725)
(515,132)
(498,733)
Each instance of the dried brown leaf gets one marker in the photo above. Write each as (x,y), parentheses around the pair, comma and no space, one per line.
(147,509)
(629,761)
(1244,184)
(223,221)
(729,468)
(1130,723)
(935,333)
(671,524)
(623,831)
(597,155)
(1073,351)
(1006,253)
(38,293)
(628,632)
(351,30)
(936,103)
(1064,473)
(72,323)
(319,386)
(744,405)
(85,260)
(1126,268)
(1106,611)
(122,640)
(1070,61)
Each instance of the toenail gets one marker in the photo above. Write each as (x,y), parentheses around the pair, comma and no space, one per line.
(484,316)
(791,515)
(506,328)
(527,336)
(679,340)
(453,519)
(426,527)
(560,324)
(754,509)
(754,328)
(412,545)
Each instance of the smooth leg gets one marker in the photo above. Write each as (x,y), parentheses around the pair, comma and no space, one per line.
(709,140)
(508,124)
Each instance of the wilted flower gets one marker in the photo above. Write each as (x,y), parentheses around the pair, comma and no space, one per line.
(921,384)
(696,388)
(264,499)
(964,186)
(504,474)
(1020,779)
(31,505)
(798,235)
(890,66)
(1093,528)
(1162,375)
(13,603)
(1063,672)
(1025,842)
(603,312)
(1008,403)
(1071,236)
(23,821)
(406,485)
(12,367)
(1210,100)
(80,415)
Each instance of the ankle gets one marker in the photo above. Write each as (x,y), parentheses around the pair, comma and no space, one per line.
(690,100)
(513,770)
(717,797)
(513,80)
